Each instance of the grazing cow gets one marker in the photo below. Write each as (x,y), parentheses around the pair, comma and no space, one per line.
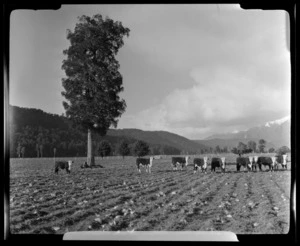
(200,163)
(218,162)
(63,165)
(146,162)
(266,161)
(281,159)
(180,161)
(246,162)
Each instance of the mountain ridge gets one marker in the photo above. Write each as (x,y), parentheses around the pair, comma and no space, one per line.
(276,133)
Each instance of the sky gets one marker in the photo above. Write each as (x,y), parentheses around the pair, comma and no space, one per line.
(194,70)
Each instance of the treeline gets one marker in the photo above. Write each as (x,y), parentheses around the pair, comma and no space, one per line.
(252,147)
(34,133)
(37,141)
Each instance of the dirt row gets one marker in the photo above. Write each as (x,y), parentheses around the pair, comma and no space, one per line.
(116,197)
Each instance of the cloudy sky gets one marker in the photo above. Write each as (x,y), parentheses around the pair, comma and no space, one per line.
(194,70)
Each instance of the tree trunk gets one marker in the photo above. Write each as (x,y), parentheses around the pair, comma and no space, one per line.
(41,151)
(90,155)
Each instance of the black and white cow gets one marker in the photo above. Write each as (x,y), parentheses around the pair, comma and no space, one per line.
(282,160)
(145,162)
(266,161)
(63,165)
(180,161)
(246,162)
(218,162)
(200,163)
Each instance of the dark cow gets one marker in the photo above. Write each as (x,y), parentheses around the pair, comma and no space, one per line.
(282,160)
(180,161)
(266,161)
(200,163)
(218,162)
(246,162)
(63,165)
(145,162)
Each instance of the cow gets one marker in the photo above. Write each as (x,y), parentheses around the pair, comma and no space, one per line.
(145,162)
(63,165)
(282,160)
(246,162)
(254,163)
(179,161)
(266,161)
(218,162)
(200,163)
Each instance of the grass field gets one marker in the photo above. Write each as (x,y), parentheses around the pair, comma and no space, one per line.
(116,197)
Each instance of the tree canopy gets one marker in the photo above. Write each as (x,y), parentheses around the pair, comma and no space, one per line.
(262,145)
(141,148)
(93,81)
(104,148)
(283,150)
(241,149)
(252,145)
(123,148)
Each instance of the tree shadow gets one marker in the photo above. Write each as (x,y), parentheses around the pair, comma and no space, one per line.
(281,170)
(92,167)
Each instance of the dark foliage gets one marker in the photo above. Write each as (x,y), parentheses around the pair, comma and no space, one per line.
(57,135)
(141,148)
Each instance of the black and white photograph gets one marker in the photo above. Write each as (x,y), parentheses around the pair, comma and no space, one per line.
(137,118)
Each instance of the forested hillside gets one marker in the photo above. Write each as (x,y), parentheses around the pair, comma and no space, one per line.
(34,133)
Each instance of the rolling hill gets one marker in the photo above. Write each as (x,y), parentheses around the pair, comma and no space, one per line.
(20,118)
(159,137)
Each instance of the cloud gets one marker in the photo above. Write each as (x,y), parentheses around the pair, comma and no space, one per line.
(236,60)
(225,102)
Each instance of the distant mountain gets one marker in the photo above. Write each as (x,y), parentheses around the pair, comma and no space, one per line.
(276,133)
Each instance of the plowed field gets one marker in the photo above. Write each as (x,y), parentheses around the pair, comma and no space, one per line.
(116,197)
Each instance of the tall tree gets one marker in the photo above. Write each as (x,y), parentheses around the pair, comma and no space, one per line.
(104,148)
(123,149)
(217,149)
(37,148)
(241,149)
(225,149)
(23,151)
(19,150)
(93,81)
(41,147)
(252,145)
(261,145)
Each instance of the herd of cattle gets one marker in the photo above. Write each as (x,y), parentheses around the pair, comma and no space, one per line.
(250,163)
